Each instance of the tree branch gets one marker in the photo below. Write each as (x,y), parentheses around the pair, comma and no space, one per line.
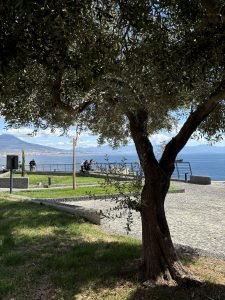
(194,120)
(57,101)
(138,122)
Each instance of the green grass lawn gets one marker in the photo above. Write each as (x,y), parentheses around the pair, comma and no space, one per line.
(47,254)
(69,192)
(66,192)
(34,179)
(45,251)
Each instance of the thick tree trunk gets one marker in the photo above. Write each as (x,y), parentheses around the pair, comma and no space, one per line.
(160,261)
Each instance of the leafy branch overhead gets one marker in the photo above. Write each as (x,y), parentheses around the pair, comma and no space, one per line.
(101,60)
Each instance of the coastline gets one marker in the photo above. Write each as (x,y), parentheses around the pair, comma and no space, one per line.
(203,164)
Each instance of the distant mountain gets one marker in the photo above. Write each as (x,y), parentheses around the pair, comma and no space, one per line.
(105,149)
(9,144)
(130,150)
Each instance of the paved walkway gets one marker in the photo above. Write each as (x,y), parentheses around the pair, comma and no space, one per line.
(196,218)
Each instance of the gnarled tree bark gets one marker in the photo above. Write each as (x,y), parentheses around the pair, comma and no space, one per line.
(160,261)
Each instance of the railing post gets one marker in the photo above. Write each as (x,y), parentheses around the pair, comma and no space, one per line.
(178,174)
(49,181)
(10,182)
(190,168)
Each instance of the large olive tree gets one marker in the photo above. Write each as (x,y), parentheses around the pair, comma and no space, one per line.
(125,69)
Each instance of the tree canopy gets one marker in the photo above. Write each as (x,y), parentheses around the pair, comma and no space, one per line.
(101,57)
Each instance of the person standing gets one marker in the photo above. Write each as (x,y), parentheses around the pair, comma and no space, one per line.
(90,164)
(32,164)
(86,165)
(82,166)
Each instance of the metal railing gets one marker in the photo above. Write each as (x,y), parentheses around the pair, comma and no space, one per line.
(52,167)
(126,168)
(182,169)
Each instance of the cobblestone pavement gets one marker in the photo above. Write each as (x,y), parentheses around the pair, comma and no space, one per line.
(196,218)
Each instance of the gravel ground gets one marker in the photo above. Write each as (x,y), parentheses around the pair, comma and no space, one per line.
(196,218)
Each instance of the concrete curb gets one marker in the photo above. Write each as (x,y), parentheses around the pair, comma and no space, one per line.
(89,214)
(200,179)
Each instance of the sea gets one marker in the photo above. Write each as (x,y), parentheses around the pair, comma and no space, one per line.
(203,164)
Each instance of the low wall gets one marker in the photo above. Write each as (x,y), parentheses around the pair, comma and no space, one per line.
(18,183)
(200,179)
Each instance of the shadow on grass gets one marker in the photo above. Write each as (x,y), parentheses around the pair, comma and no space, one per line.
(63,256)
(208,291)
(45,243)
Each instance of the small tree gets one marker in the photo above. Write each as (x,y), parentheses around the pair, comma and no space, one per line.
(23,164)
(75,141)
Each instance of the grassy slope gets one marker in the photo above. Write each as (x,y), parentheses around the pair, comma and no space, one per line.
(46,254)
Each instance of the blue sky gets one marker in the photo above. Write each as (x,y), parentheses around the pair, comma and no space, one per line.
(46,138)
